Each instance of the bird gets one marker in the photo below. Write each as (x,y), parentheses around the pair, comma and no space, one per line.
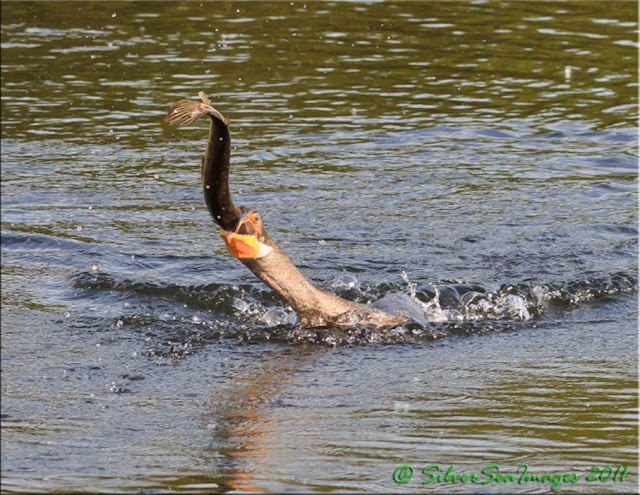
(244,234)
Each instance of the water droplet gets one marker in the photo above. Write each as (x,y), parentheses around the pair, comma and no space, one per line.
(275,316)
(567,73)
(207,186)
(241,305)
(452,315)
(346,281)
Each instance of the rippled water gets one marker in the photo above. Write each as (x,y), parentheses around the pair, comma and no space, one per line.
(478,157)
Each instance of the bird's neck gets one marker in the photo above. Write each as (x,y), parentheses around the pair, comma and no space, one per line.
(314,306)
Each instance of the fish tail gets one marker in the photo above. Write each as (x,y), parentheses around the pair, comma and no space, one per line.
(185,112)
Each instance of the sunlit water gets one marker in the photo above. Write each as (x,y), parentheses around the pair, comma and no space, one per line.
(477,160)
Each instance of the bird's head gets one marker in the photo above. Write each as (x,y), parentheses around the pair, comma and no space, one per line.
(247,240)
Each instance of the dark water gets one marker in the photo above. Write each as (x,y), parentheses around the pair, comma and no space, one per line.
(481,157)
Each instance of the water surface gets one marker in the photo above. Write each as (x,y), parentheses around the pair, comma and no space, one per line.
(397,148)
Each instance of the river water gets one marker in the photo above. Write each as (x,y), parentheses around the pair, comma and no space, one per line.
(478,157)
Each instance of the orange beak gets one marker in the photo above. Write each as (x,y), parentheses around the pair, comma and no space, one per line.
(244,247)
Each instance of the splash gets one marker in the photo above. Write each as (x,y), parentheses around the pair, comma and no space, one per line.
(179,318)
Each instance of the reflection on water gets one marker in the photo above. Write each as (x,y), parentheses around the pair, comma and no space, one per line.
(479,145)
(244,430)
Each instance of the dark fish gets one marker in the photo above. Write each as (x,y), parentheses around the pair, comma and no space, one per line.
(215,163)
